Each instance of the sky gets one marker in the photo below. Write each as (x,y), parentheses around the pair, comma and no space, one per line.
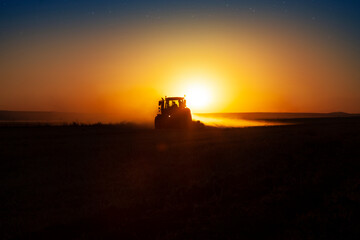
(120,57)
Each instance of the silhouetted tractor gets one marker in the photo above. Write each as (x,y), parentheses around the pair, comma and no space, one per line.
(173,113)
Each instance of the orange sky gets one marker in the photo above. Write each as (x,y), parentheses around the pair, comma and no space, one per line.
(248,66)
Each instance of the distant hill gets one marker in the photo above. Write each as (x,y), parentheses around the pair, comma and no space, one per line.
(63,117)
(274,115)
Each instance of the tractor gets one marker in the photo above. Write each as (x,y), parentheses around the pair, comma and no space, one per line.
(173,113)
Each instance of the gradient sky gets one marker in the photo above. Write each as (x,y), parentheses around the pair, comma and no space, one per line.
(121,56)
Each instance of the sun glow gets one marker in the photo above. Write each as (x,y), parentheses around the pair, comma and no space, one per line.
(198,97)
(200,89)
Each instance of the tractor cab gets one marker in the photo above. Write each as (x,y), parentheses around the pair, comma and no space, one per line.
(171,104)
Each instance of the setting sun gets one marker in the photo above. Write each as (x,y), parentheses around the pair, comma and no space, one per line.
(199,86)
(198,97)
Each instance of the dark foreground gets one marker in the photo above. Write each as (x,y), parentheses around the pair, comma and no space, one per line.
(284,182)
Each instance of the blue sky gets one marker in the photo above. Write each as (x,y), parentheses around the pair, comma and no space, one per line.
(24,14)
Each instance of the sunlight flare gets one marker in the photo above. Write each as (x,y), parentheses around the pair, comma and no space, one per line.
(198,97)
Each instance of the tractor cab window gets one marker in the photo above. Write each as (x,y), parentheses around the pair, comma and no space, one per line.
(172,103)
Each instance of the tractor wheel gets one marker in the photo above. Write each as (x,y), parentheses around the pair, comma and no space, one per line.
(184,119)
(159,122)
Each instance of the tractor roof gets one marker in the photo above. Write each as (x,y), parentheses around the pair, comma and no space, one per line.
(174,98)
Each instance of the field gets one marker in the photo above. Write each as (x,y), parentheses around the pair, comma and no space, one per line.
(98,181)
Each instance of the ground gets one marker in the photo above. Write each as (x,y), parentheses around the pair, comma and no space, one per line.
(102,181)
